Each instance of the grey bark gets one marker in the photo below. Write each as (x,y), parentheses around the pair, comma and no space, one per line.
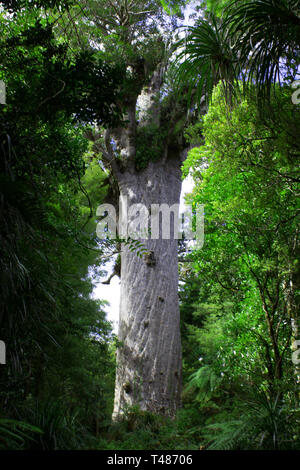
(149,357)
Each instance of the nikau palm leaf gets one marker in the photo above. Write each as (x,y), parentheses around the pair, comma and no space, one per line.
(267,36)
(257,41)
(206,57)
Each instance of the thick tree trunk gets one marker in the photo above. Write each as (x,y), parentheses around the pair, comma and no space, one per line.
(149,355)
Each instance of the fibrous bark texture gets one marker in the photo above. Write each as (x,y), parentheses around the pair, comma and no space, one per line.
(149,356)
(149,352)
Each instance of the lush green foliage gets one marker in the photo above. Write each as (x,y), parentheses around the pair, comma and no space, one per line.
(256,40)
(246,174)
(205,57)
(239,295)
(54,333)
(150,141)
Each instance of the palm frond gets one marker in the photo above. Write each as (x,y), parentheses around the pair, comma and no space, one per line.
(267,36)
(205,57)
(15,433)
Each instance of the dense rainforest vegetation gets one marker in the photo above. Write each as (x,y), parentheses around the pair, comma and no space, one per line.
(232,80)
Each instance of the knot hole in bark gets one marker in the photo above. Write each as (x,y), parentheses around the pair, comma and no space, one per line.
(127,387)
(149,258)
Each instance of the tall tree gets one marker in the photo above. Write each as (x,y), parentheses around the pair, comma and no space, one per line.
(144,155)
